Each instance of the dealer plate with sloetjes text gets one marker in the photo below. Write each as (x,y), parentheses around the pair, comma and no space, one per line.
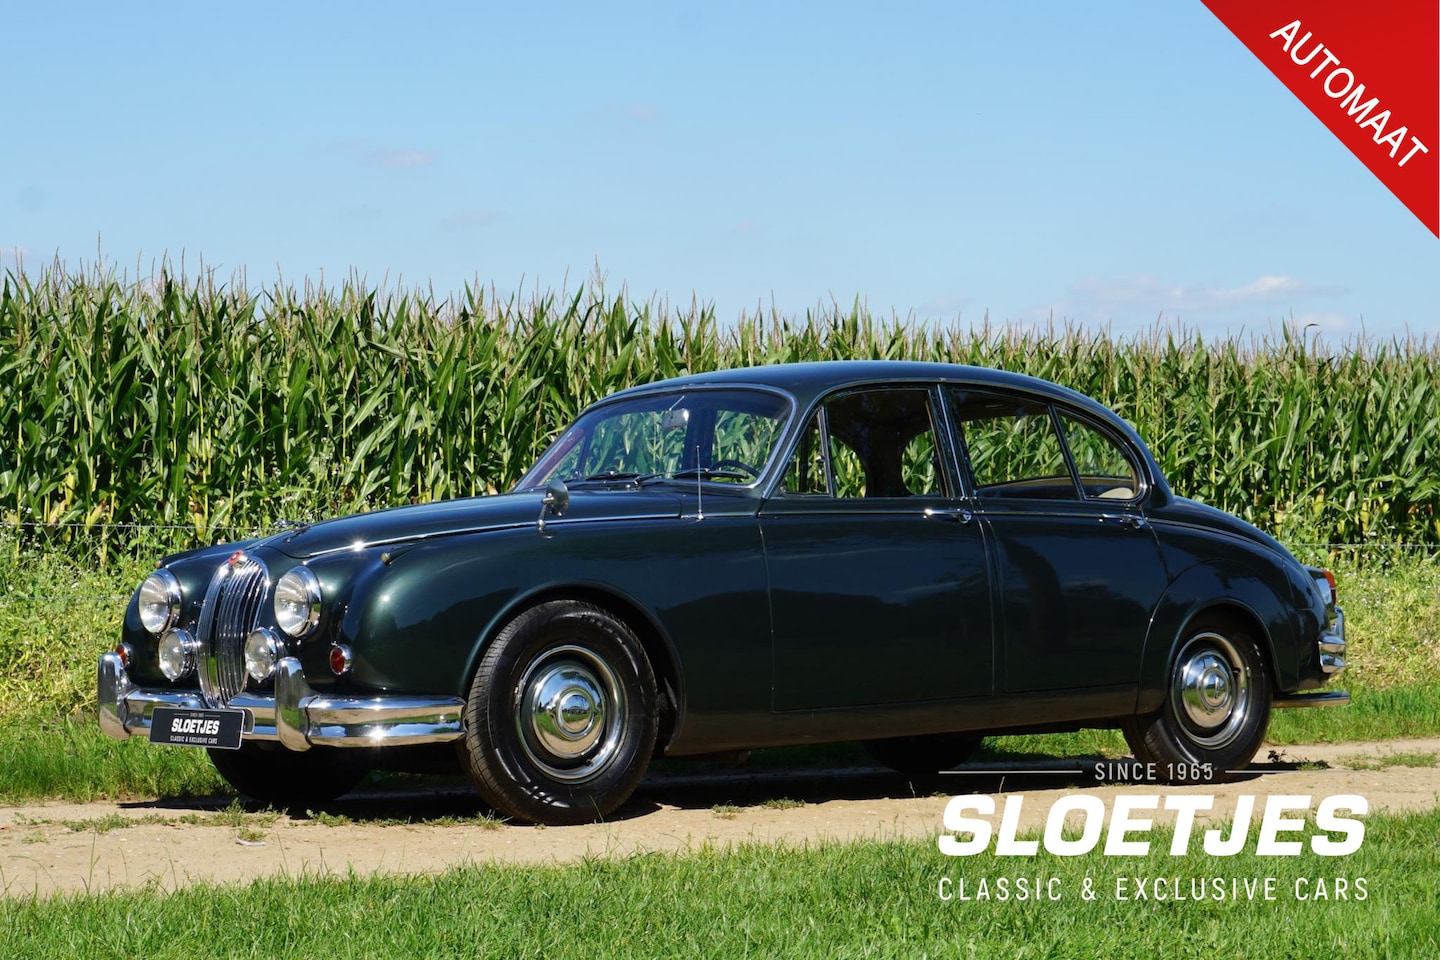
(197,728)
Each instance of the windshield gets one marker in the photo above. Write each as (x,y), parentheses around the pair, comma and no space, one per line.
(725,436)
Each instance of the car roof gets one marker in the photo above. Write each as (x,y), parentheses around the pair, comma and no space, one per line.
(806,381)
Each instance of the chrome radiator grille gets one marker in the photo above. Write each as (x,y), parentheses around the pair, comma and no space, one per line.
(230,611)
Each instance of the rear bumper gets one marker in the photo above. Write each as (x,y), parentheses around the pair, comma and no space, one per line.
(295,715)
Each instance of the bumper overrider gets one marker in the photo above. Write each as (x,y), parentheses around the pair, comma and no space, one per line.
(296,716)
(1332,645)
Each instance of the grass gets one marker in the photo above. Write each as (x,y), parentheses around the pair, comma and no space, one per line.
(71,759)
(50,746)
(58,612)
(1400,758)
(854,899)
(246,822)
(782,803)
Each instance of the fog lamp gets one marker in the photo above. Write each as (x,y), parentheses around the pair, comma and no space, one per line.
(263,649)
(176,654)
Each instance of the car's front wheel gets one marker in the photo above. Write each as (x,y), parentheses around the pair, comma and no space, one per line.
(269,773)
(1217,706)
(561,718)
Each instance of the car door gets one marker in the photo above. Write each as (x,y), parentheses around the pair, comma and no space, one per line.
(1078,568)
(879,585)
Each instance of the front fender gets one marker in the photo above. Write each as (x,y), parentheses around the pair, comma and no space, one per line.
(1205,588)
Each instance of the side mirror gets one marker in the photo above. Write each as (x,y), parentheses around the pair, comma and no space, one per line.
(557,497)
(556,501)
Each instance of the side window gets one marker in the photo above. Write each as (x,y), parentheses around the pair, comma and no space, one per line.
(881,443)
(1105,470)
(1012,447)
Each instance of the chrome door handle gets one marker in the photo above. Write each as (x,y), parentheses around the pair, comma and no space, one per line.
(958,514)
(1124,520)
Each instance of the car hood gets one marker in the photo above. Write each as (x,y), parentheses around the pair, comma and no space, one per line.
(471,515)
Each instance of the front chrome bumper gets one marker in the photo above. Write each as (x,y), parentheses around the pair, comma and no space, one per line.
(296,715)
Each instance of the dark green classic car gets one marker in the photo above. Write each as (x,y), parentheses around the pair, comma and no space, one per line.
(913,555)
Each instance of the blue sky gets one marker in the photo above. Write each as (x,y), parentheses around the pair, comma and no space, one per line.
(1103,163)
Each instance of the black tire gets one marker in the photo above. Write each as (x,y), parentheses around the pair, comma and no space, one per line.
(1217,706)
(581,758)
(925,755)
(271,774)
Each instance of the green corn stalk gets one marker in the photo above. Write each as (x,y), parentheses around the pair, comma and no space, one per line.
(216,409)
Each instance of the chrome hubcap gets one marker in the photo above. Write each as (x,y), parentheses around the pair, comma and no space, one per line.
(1210,692)
(569,713)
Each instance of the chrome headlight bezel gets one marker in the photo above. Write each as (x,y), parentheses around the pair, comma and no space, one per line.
(159,602)
(263,650)
(297,600)
(176,653)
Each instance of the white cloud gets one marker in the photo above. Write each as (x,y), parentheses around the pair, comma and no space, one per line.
(366,151)
(1328,322)
(387,157)
(638,112)
(1263,288)
(644,112)
(1153,294)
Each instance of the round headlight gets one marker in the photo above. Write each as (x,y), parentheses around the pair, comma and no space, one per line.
(262,651)
(159,601)
(177,654)
(297,602)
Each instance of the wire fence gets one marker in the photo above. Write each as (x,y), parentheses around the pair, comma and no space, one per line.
(141,543)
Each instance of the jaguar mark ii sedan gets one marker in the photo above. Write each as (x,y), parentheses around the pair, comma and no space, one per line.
(913,555)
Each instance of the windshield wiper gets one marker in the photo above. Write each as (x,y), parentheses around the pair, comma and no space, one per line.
(702,473)
(610,476)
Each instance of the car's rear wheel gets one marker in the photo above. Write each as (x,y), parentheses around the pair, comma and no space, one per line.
(1217,706)
(924,755)
(271,774)
(560,723)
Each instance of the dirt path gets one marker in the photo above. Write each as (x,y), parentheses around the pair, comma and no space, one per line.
(55,847)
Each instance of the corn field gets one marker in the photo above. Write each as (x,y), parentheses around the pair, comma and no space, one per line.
(213,408)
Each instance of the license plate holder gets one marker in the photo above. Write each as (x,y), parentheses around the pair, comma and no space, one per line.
(183,727)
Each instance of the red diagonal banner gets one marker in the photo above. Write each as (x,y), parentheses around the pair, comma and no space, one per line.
(1369,71)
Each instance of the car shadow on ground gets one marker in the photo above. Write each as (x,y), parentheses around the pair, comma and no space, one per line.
(701,785)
